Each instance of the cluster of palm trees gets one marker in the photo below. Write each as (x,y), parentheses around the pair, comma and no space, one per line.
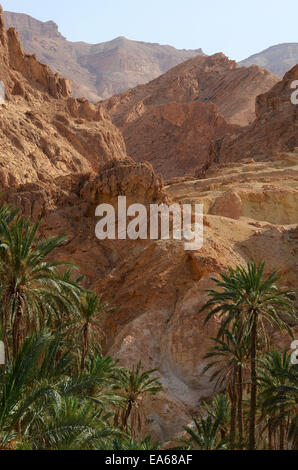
(57,390)
(259,405)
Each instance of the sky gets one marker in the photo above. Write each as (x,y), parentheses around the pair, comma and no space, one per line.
(239,28)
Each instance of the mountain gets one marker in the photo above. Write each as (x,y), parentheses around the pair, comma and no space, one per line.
(274,130)
(277,59)
(173,121)
(97,71)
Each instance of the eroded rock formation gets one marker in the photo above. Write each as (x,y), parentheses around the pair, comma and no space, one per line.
(274,130)
(173,121)
(50,142)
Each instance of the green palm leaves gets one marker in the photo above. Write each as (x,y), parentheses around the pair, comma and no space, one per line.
(46,404)
(278,380)
(244,292)
(205,435)
(33,290)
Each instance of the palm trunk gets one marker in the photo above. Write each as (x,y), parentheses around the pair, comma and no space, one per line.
(127,415)
(4,328)
(253,396)
(240,399)
(16,331)
(5,337)
(233,425)
(294,445)
(84,347)
(233,413)
(270,437)
(282,434)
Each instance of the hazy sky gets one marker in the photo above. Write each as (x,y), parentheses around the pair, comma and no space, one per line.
(238,28)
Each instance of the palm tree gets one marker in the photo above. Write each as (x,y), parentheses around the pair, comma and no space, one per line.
(244,292)
(229,360)
(205,435)
(32,289)
(219,409)
(279,398)
(133,386)
(87,327)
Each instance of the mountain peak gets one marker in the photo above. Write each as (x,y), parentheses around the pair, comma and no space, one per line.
(98,71)
(121,38)
(29,27)
(278,59)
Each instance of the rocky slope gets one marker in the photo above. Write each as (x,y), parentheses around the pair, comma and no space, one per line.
(97,71)
(275,128)
(60,157)
(264,191)
(172,121)
(277,59)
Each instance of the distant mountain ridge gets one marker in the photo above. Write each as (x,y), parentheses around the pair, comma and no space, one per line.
(97,71)
(278,59)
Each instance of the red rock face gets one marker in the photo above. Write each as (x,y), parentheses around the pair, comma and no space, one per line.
(274,130)
(173,120)
(14,57)
(175,137)
(50,142)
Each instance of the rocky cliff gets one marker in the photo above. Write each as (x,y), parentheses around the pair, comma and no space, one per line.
(97,71)
(275,128)
(50,141)
(173,120)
